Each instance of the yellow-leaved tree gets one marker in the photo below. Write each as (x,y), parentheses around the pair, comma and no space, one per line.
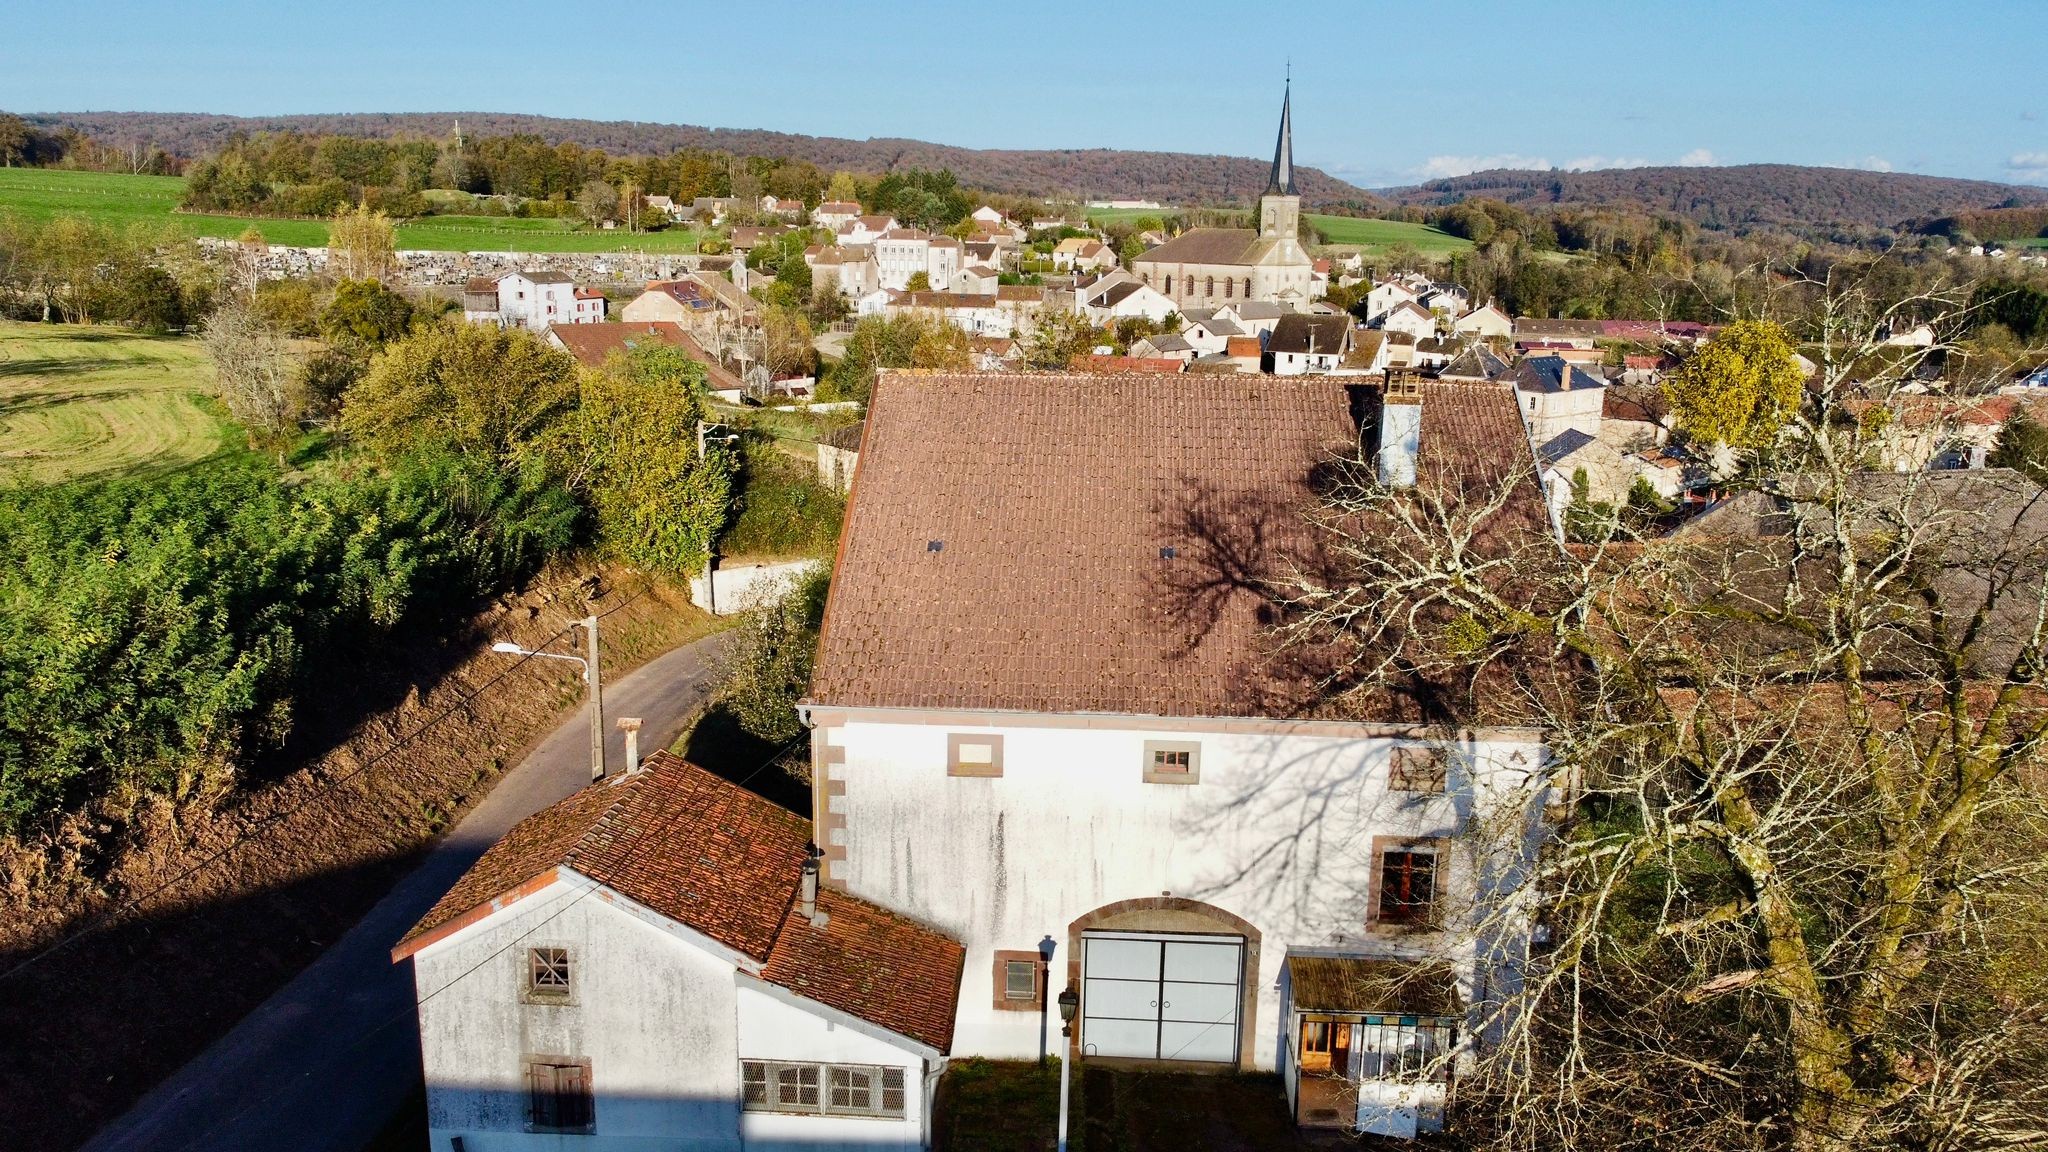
(361,245)
(1738,388)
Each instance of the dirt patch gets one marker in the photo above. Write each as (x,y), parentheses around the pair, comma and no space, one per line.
(1013,1106)
(92,1027)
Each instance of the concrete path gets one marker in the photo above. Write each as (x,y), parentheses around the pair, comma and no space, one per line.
(324,1063)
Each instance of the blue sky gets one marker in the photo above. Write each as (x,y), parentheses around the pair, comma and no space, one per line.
(1385,92)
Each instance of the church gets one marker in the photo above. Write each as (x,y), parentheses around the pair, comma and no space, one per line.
(1211,267)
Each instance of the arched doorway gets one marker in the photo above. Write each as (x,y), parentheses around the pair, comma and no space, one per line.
(1165,978)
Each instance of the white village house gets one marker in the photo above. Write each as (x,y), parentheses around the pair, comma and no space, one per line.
(1014,752)
(532,300)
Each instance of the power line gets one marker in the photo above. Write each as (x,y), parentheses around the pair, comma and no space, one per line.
(271,820)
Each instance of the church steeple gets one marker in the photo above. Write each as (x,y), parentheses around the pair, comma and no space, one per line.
(1281,182)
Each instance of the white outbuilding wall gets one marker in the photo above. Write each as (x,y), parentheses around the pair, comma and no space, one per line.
(1278,830)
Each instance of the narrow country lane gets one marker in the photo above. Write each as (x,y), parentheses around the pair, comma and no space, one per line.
(324,1062)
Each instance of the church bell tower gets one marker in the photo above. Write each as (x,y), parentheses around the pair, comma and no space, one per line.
(1280,204)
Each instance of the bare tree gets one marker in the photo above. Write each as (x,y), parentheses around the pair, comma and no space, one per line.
(258,370)
(1796,900)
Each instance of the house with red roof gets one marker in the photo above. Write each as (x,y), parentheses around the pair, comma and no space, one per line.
(651,963)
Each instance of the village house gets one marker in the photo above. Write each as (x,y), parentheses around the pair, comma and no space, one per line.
(848,270)
(1120,295)
(975,315)
(834,213)
(1205,267)
(1368,355)
(1387,295)
(1486,322)
(699,302)
(1409,317)
(1556,397)
(1128,794)
(864,229)
(1477,364)
(1303,344)
(976,280)
(1256,317)
(1163,346)
(653,963)
(1207,332)
(532,300)
(1082,254)
(902,253)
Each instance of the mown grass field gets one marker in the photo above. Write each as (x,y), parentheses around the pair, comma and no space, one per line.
(121,200)
(1383,234)
(81,402)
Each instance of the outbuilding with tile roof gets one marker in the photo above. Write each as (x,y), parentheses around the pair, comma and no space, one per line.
(650,961)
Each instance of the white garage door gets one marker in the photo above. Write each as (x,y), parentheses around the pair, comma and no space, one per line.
(1161,997)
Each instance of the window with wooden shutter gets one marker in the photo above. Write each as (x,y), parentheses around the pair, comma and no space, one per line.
(559,1096)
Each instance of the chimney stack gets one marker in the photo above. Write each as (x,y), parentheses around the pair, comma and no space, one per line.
(630,725)
(807,889)
(1400,430)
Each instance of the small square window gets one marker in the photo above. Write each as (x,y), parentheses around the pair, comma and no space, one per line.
(974,755)
(1172,761)
(1020,980)
(548,973)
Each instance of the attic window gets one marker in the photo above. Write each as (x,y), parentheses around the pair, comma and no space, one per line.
(935,545)
(1168,552)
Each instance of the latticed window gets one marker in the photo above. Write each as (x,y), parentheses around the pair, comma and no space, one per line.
(548,972)
(1020,980)
(821,1089)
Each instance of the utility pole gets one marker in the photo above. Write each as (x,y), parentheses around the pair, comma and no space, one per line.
(595,680)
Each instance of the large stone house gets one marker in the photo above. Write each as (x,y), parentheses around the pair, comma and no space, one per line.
(1039,715)
(1208,267)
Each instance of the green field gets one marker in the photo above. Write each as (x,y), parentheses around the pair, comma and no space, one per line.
(121,200)
(78,402)
(1384,234)
(1100,216)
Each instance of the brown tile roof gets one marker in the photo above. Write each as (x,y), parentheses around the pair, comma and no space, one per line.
(672,837)
(1204,246)
(1242,346)
(1304,333)
(592,343)
(871,963)
(710,855)
(481,285)
(1115,364)
(1051,497)
(1021,293)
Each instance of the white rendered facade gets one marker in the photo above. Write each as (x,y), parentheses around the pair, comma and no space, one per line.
(662,1015)
(1274,841)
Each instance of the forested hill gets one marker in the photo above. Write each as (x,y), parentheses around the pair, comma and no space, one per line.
(1785,195)
(1169,177)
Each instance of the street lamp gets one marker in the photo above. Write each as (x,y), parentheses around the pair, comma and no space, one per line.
(1045,951)
(1070,1003)
(591,678)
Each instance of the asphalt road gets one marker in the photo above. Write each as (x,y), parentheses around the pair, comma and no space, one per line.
(324,1063)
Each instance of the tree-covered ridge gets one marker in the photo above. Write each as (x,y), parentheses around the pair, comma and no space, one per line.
(1738,197)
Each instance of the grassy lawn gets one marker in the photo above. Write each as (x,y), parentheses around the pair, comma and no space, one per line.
(1383,234)
(79,402)
(121,200)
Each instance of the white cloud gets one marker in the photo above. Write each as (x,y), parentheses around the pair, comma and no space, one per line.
(1443,167)
(2031,167)
(1589,163)
(1873,164)
(1697,158)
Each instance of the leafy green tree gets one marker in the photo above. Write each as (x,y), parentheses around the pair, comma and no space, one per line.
(1738,388)
(598,201)
(150,298)
(658,504)
(919,282)
(911,341)
(1058,339)
(477,390)
(364,315)
(770,667)
(2023,445)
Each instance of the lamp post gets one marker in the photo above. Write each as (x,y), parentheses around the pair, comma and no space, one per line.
(591,678)
(1070,1003)
(1046,948)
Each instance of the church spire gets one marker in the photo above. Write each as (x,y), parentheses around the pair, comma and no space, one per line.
(1281,182)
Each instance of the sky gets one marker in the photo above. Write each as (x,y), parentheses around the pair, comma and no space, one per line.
(1385,93)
